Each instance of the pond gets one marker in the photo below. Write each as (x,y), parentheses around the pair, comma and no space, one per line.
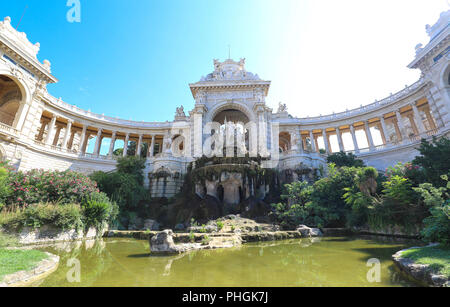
(329,261)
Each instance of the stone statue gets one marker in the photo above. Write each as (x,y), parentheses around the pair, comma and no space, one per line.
(167,143)
(282,108)
(180,112)
(200,97)
(259,95)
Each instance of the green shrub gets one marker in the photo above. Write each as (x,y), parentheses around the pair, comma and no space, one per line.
(399,190)
(191,237)
(95,213)
(437,225)
(65,217)
(296,208)
(7,240)
(398,205)
(289,217)
(327,203)
(206,239)
(219,225)
(5,190)
(125,188)
(414,173)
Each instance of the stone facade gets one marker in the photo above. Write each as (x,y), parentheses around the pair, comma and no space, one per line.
(230,116)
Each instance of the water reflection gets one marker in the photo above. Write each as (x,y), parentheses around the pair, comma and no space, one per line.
(337,261)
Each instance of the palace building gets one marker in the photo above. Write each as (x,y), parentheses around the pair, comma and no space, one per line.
(230,117)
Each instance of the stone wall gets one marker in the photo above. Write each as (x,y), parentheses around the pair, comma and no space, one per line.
(51,234)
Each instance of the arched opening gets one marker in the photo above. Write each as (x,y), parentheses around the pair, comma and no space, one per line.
(231,115)
(234,131)
(178,145)
(285,141)
(10,99)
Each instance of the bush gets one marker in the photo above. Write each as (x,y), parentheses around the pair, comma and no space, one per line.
(328,204)
(120,187)
(5,190)
(38,186)
(437,225)
(414,173)
(65,217)
(398,205)
(125,187)
(95,213)
(296,208)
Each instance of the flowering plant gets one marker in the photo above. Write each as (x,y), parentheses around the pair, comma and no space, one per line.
(47,186)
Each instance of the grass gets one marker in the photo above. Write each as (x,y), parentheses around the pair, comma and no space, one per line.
(8,240)
(12,261)
(438,257)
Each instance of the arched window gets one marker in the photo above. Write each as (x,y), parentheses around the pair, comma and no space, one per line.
(10,98)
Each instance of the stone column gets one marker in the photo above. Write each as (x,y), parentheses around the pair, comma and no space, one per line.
(152,146)
(42,131)
(369,135)
(111,146)
(262,139)
(401,126)
(325,141)
(418,119)
(72,136)
(299,141)
(57,134)
(313,143)
(384,130)
(21,115)
(413,124)
(138,146)
(198,134)
(125,145)
(83,140)
(339,137)
(67,134)
(355,141)
(51,127)
(98,142)
(430,118)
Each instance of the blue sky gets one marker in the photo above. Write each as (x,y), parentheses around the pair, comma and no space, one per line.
(134,59)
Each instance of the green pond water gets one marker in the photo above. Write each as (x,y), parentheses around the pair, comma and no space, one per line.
(304,262)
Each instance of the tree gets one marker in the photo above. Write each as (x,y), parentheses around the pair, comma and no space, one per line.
(341,159)
(434,160)
(366,180)
(131,151)
(132,165)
